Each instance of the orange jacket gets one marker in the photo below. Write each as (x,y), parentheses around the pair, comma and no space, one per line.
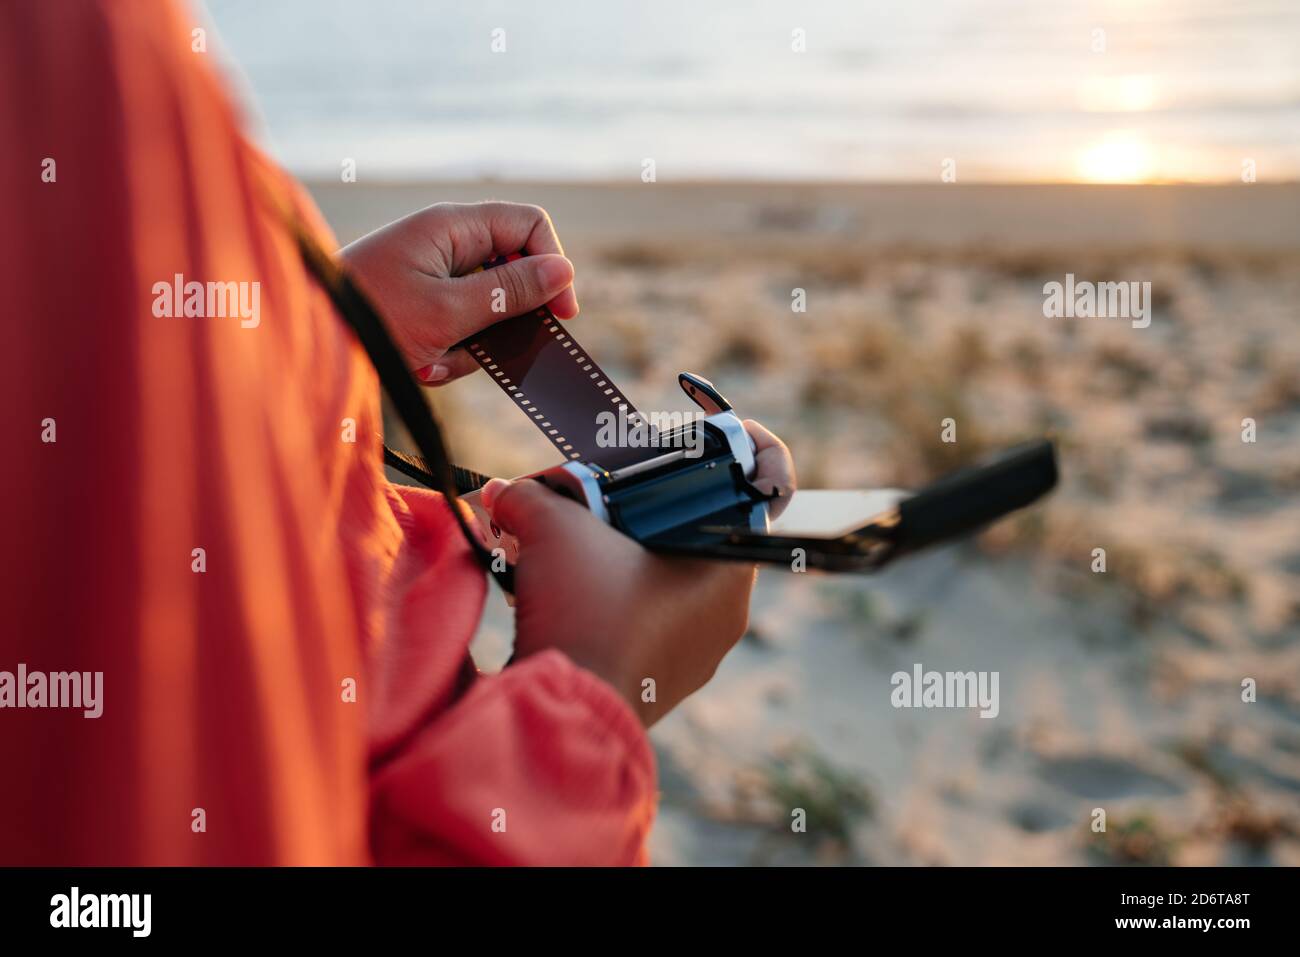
(134,439)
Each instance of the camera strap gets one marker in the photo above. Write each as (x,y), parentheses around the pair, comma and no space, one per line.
(433,468)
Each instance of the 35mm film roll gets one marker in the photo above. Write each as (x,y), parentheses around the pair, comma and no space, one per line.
(556,383)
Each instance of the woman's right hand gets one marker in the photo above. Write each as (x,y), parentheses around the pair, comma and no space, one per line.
(655,628)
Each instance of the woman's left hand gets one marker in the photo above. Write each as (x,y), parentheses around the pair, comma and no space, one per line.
(419,274)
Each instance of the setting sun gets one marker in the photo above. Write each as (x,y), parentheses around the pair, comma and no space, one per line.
(1118,158)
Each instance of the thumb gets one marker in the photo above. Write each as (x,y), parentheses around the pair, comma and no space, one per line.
(525,508)
(512,289)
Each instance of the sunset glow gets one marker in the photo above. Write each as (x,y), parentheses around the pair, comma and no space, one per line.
(1120,157)
(1130,93)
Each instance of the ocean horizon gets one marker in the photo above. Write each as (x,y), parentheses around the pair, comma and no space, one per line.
(990,91)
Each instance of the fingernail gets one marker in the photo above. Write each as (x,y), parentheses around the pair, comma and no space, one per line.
(433,373)
(556,272)
(494,487)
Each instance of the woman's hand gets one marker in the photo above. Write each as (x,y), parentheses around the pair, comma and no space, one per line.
(624,613)
(419,274)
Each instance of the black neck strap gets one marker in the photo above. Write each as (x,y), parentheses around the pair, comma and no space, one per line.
(434,467)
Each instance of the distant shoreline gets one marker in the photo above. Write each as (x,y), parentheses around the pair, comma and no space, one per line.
(1244,217)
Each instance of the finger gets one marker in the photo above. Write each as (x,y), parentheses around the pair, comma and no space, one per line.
(500,229)
(507,228)
(774,467)
(447,368)
(518,226)
(565,305)
(476,301)
(527,509)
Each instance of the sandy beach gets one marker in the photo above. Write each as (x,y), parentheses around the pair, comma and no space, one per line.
(1120,690)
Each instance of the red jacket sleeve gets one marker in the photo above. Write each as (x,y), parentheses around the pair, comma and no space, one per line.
(541,764)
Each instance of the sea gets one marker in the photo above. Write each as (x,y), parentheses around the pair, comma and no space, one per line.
(836,90)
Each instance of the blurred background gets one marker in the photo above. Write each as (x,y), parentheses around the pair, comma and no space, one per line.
(920,171)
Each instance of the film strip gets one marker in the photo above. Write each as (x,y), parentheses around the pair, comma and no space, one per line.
(556,383)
